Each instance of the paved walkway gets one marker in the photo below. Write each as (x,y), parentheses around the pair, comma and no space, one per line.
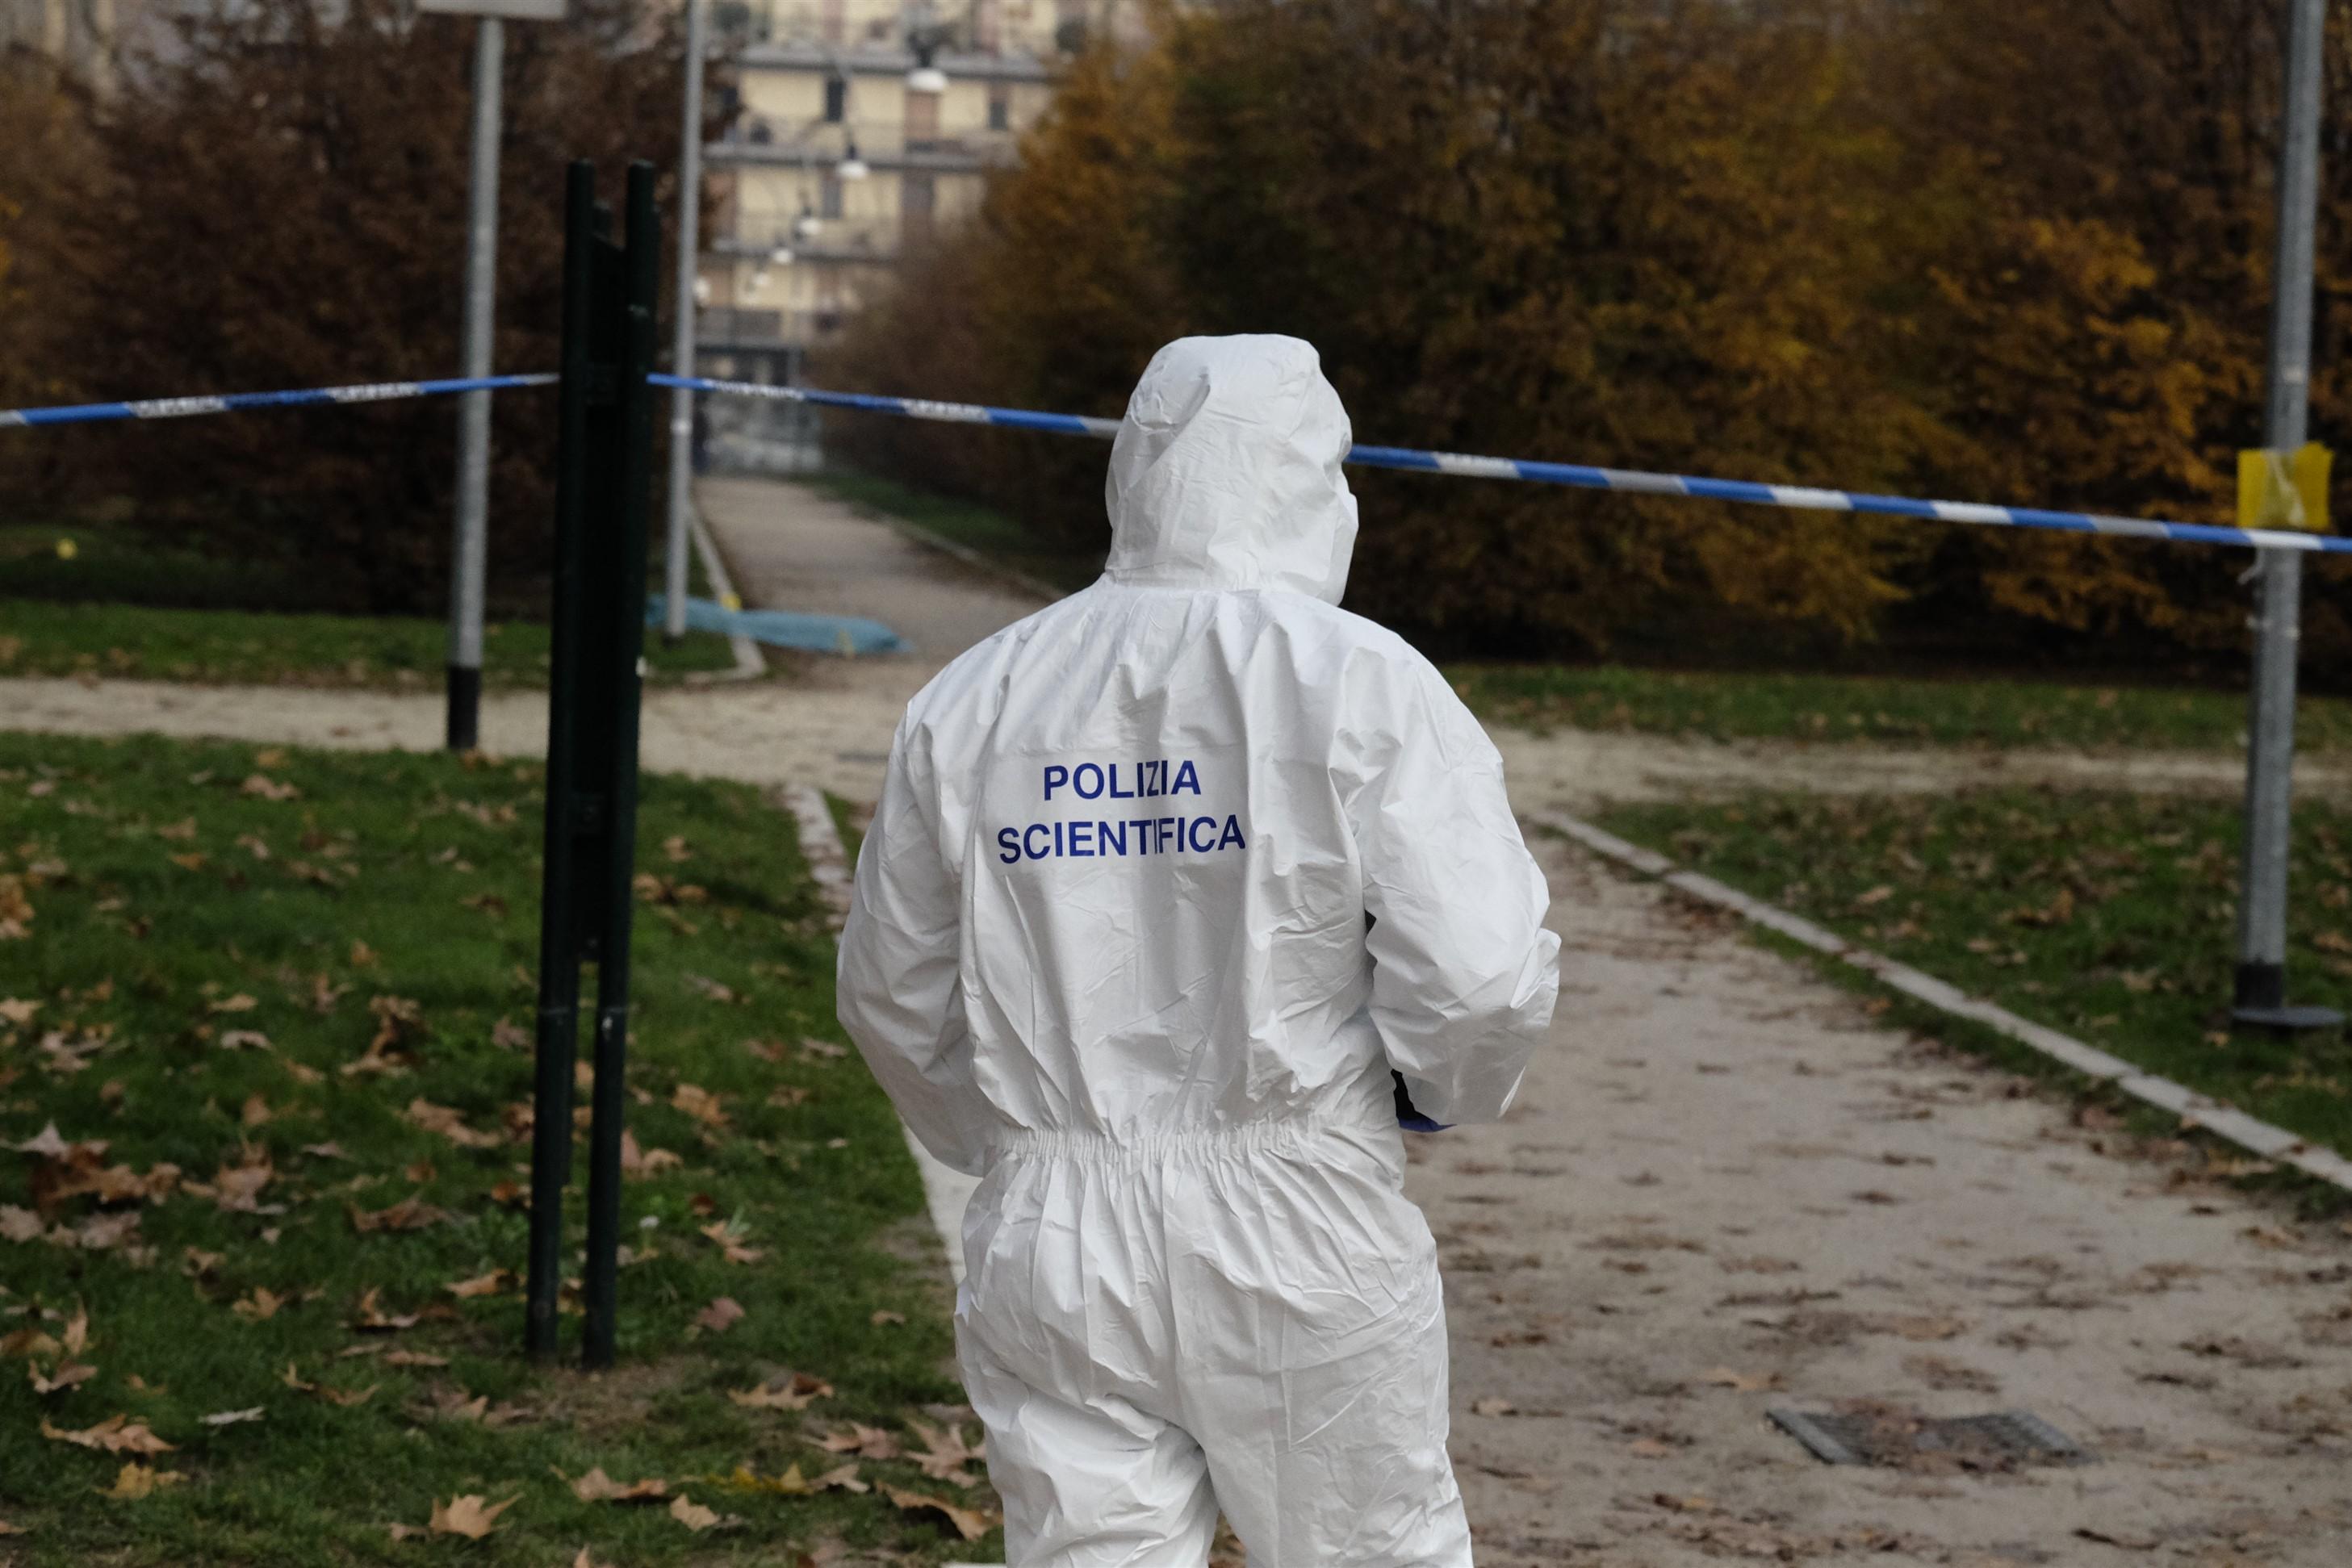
(1724,1187)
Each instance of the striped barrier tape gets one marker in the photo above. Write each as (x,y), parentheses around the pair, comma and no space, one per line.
(232,403)
(1624,481)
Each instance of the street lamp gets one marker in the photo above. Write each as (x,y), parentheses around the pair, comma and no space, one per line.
(851,168)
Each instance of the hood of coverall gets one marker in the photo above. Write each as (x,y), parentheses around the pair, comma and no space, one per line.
(1226,471)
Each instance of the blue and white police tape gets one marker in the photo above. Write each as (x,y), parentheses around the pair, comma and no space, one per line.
(1625,481)
(232,402)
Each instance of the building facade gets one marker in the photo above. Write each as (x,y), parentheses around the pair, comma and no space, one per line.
(860,129)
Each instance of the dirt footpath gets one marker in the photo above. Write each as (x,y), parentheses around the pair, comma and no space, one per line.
(1725,1188)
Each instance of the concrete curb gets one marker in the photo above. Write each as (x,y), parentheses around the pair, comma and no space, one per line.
(2195,1110)
(970,556)
(946,1192)
(750,663)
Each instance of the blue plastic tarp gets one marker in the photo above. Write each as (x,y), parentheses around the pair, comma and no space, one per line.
(848,634)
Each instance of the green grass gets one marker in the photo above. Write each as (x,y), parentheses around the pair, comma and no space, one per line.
(990,532)
(122,605)
(2109,918)
(241,647)
(153,888)
(1722,706)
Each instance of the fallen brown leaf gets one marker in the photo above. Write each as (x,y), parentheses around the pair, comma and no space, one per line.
(489,1284)
(719,1315)
(970,1523)
(136,1480)
(598,1487)
(231,1417)
(115,1435)
(472,1516)
(695,1517)
(791,1391)
(865,1442)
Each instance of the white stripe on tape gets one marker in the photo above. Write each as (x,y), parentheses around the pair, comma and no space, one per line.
(376,391)
(1805,496)
(957,412)
(1476,467)
(1644,483)
(176,407)
(1972,512)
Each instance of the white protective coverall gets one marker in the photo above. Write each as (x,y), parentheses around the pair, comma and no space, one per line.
(1109,951)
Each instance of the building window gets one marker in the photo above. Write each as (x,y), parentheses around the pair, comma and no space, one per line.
(917,197)
(828,197)
(1000,106)
(922,118)
(837,100)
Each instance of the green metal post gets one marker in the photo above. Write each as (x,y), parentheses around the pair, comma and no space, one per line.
(632,489)
(559,932)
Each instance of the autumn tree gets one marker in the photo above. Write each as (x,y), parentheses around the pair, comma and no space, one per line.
(282,204)
(1579,229)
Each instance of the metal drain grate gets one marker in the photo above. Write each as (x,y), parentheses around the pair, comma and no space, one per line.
(2008,1441)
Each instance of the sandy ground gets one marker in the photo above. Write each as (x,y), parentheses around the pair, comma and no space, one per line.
(1724,1187)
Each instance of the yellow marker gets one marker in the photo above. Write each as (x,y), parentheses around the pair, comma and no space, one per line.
(68,549)
(730,602)
(2276,490)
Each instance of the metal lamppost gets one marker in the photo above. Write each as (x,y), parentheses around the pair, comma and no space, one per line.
(681,399)
(2260,979)
(471,552)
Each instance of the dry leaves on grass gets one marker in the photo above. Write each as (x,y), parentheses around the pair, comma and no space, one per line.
(115,1435)
(232,1417)
(701,1104)
(728,1233)
(786,1391)
(636,1162)
(718,1316)
(945,1453)
(970,1523)
(68,1375)
(696,1518)
(136,1480)
(598,1487)
(451,1124)
(792,1483)
(865,1442)
(822,1049)
(260,1306)
(472,1516)
(489,1284)
(411,1213)
(369,1318)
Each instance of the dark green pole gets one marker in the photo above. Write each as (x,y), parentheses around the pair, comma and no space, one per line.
(624,649)
(559,932)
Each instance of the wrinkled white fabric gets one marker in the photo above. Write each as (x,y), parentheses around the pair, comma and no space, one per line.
(1110,949)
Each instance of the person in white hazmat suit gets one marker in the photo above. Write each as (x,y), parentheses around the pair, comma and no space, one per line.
(1109,951)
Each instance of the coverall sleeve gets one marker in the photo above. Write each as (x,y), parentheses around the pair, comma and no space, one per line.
(897,983)
(1463,972)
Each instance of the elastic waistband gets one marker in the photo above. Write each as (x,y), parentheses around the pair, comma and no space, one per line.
(1274,1136)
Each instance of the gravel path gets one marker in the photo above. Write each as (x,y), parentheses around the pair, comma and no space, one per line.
(1723,1188)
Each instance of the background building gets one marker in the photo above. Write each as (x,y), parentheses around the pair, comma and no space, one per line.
(858,128)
